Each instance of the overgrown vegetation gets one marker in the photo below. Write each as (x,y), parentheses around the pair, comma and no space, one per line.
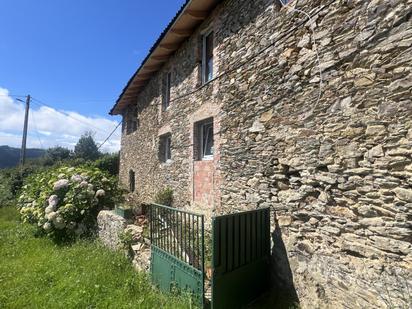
(164,197)
(12,179)
(108,163)
(64,202)
(35,273)
(6,197)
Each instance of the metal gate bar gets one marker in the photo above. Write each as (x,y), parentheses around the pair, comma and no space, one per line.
(177,241)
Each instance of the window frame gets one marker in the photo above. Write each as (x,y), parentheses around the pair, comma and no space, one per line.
(165,148)
(205,35)
(132,122)
(201,142)
(167,91)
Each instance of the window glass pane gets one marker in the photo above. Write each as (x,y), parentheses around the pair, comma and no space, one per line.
(168,148)
(209,69)
(165,144)
(208,57)
(208,139)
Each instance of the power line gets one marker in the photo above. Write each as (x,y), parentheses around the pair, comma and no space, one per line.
(13,95)
(315,45)
(41,103)
(285,35)
(68,115)
(96,101)
(37,131)
(109,135)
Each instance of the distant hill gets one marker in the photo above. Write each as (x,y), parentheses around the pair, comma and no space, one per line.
(10,157)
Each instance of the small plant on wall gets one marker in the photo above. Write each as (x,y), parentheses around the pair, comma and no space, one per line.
(164,197)
(127,240)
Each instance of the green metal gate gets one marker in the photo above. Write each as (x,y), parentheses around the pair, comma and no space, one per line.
(240,249)
(241,257)
(177,245)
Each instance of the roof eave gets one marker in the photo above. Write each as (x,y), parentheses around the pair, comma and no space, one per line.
(182,26)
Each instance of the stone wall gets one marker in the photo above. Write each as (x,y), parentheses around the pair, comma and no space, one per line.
(110,226)
(336,171)
(139,150)
(334,163)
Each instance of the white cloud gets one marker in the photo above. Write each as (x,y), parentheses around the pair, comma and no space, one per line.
(49,127)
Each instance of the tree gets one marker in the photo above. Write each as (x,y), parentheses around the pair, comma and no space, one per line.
(58,153)
(86,148)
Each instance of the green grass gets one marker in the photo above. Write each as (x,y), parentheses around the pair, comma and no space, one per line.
(36,273)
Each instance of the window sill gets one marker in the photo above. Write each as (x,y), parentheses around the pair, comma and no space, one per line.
(167,163)
(165,109)
(207,158)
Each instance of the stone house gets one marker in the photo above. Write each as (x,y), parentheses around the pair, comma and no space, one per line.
(243,104)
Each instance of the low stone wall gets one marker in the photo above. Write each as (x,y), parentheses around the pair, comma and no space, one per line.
(110,226)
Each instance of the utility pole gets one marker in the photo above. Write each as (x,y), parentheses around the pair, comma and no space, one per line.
(24,140)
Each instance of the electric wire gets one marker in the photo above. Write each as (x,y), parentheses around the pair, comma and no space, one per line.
(107,138)
(110,135)
(41,103)
(236,67)
(252,57)
(315,46)
(13,95)
(37,130)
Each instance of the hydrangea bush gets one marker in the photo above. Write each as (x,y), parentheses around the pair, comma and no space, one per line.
(64,202)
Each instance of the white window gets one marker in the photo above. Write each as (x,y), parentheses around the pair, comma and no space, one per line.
(205,139)
(207,57)
(165,148)
(167,91)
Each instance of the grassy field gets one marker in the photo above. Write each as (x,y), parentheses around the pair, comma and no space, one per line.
(35,273)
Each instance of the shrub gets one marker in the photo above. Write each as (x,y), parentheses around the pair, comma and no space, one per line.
(126,239)
(64,202)
(108,163)
(11,181)
(164,197)
(6,195)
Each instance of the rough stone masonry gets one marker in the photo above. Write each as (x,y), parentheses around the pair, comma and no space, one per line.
(335,166)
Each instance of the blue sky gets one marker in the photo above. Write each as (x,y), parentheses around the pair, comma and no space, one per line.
(77,55)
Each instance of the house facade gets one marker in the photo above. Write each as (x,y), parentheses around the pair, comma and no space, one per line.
(304,107)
